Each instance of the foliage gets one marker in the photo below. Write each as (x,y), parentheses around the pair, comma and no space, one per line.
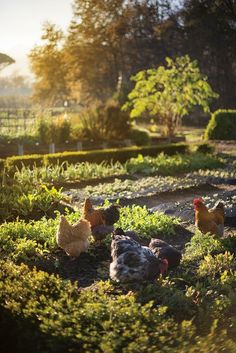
(105,121)
(222,125)
(48,65)
(53,132)
(58,318)
(170,165)
(140,137)
(212,266)
(170,92)
(67,172)
(145,224)
(201,245)
(146,186)
(25,201)
(5,60)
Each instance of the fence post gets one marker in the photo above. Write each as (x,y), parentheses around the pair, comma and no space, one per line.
(79,146)
(52,148)
(20,149)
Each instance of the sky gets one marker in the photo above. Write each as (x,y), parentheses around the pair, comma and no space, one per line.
(21,27)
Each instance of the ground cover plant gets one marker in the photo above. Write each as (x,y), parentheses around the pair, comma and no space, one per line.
(28,202)
(171,165)
(145,186)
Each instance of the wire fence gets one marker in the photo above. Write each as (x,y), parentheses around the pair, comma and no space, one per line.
(17,121)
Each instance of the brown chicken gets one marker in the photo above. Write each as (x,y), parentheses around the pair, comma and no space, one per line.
(101,219)
(209,220)
(73,238)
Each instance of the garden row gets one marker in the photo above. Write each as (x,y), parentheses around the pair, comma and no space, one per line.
(98,156)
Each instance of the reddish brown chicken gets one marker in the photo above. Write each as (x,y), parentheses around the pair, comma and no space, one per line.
(209,220)
(101,219)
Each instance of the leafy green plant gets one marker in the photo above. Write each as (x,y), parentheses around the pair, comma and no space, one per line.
(27,201)
(147,225)
(201,245)
(170,165)
(170,92)
(213,266)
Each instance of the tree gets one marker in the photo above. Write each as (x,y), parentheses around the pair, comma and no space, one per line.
(209,35)
(170,92)
(5,60)
(49,66)
(111,40)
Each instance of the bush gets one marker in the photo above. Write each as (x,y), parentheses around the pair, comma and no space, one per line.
(105,122)
(53,132)
(222,125)
(140,137)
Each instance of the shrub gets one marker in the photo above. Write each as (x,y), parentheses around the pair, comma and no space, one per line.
(53,132)
(140,137)
(105,121)
(222,125)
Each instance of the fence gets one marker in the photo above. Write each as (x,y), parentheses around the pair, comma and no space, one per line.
(15,121)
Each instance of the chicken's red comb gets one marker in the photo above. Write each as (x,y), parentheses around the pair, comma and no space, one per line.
(197,201)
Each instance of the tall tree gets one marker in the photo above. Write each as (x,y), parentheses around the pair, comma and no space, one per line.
(111,39)
(49,66)
(210,36)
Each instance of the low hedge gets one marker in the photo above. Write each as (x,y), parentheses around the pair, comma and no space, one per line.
(1,164)
(222,125)
(121,155)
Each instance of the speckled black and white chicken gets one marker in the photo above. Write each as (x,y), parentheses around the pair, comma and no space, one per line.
(132,262)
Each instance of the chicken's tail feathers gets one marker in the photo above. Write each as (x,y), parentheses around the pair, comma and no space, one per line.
(219,204)
(88,204)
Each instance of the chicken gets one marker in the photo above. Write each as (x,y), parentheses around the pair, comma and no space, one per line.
(133,262)
(73,238)
(101,219)
(165,251)
(209,220)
